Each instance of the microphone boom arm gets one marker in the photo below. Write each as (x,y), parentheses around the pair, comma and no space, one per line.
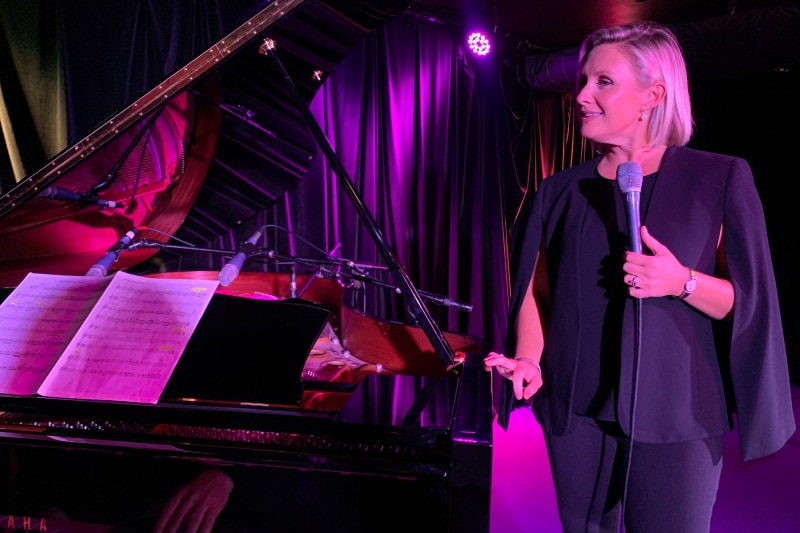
(323,268)
(355,273)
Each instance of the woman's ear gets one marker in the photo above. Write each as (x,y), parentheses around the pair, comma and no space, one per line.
(656,94)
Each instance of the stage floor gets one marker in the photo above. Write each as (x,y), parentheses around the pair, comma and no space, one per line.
(761,496)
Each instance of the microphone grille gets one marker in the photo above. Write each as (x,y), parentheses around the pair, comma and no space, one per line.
(629,177)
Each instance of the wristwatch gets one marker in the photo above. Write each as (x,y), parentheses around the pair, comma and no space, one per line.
(689,286)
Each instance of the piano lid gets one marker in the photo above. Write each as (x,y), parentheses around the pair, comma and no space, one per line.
(207,148)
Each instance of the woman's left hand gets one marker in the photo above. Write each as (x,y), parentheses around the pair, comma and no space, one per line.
(660,274)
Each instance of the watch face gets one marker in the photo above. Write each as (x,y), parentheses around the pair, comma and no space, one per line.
(691,285)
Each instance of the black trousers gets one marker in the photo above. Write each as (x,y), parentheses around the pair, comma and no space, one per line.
(671,487)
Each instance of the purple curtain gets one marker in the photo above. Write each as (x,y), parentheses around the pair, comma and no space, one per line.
(116,51)
(418,126)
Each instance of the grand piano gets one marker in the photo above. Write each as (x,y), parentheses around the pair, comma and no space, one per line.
(391,424)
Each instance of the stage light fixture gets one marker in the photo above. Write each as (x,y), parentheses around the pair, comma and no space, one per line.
(479,43)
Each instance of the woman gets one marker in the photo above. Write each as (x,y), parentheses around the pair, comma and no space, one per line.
(659,347)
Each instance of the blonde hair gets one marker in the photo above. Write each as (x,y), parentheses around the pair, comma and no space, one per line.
(655,55)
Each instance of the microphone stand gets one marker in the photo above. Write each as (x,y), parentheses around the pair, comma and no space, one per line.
(404,285)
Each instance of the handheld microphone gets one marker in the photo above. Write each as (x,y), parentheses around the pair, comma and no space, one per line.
(100,268)
(57,193)
(232,268)
(629,180)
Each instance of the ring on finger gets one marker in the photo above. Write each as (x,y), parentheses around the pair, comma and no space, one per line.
(634,279)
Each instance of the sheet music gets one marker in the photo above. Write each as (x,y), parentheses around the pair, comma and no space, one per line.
(116,338)
(39,318)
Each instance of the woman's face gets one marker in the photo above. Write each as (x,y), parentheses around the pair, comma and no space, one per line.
(610,99)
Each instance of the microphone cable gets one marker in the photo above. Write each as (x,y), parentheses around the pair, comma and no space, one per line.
(637,349)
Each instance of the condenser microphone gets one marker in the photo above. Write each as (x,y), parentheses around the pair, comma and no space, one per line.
(629,180)
(57,193)
(100,268)
(234,266)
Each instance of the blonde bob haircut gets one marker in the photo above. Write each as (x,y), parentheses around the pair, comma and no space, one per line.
(655,55)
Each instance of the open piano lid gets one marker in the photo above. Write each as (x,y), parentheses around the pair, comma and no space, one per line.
(181,157)
(178,160)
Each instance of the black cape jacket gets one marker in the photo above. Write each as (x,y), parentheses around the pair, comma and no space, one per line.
(694,372)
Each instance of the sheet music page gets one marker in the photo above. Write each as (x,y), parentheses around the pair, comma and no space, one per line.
(37,321)
(128,346)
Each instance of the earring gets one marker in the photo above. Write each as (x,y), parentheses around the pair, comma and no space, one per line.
(644,114)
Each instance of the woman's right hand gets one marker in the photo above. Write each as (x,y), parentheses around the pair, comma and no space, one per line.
(525,374)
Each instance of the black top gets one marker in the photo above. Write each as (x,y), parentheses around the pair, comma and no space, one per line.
(694,370)
(602,244)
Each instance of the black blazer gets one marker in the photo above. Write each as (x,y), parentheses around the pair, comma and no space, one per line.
(693,371)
